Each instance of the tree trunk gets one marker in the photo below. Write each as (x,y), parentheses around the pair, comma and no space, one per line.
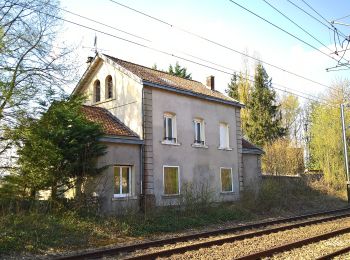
(54,192)
(78,187)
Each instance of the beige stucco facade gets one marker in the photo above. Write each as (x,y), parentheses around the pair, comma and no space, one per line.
(141,107)
(197,165)
(118,154)
(252,170)
(126,103)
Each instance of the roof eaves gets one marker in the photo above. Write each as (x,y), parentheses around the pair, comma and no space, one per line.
(88,70)
(121,139)
(192,93)
(252,151)
(121,68)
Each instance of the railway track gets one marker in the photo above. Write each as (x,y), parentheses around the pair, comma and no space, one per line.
(296,244)
(288,224)
(335,253)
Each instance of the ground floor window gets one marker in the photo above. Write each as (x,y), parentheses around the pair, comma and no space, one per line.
(171,180)
(122,181)
(226,179)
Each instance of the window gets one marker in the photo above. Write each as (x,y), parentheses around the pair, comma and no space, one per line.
(199,134)
(122,181)
(171,180)
(109,87)
(226,179)
(97,91)
(224,136)
(170,128)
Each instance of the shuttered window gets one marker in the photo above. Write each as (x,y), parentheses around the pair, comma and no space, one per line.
(224,135)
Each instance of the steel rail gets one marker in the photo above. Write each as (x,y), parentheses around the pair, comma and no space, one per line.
(230,239)
(133,247)
(296,244)
(335,253)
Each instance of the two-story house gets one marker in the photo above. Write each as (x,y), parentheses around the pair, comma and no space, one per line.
(164,132)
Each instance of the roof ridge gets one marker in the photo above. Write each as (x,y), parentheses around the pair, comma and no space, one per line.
(153,69)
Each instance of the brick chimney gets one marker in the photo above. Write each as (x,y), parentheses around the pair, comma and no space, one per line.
(211,82)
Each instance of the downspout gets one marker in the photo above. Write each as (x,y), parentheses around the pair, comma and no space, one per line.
(141,167)
(142,145)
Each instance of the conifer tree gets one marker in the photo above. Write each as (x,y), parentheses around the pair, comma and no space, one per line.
(179,71)
(264,120)
(232,87)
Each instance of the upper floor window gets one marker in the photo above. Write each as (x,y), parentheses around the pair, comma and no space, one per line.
(224,136)
(170,133)
(97,91)
(109,87)
(199,133)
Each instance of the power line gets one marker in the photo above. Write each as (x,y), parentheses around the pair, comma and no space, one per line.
(313,9)
(289,19)
(341,18)
(98,22)
(220,45)
(332,28)
(165,52)
(285,31)
(335,29)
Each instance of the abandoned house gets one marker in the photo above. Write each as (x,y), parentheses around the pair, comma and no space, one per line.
(164,132)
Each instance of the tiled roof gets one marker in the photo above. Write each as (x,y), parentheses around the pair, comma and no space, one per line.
(110,124)
(249,146)
(163,78)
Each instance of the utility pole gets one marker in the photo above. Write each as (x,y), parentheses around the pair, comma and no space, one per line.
(345,150)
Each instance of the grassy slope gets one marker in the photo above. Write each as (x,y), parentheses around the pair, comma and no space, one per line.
(40,233)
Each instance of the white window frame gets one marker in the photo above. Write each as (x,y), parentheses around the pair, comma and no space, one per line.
(173,129)
(178,174)
(225,146)
(202,132)
(226,168)
(122,195)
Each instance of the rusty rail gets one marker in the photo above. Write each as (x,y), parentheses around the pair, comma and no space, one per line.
(335,253)
(299,243)
(157,243)
(216,242)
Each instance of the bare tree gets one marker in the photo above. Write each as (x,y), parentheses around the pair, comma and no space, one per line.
(33,66)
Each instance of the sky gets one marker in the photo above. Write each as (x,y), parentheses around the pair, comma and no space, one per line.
(223,22)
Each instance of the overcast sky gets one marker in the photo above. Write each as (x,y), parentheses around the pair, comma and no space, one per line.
(220,21)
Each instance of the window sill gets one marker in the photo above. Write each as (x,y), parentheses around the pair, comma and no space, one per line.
(171,196)
(225,148)
(129,197)
(227,193)
(170,143)
(199,146)
(103,101)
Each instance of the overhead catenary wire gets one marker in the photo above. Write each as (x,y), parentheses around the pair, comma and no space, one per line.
(313,9)
(331,27)
(98,22)
(285,31)
(300,27)
(315,99)
(341,18)
(336,31)
(220,44)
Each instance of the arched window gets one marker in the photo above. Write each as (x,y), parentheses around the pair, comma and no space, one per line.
(109,87)
(97,91)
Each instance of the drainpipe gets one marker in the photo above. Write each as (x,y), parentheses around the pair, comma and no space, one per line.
(141,168)
(142,145)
